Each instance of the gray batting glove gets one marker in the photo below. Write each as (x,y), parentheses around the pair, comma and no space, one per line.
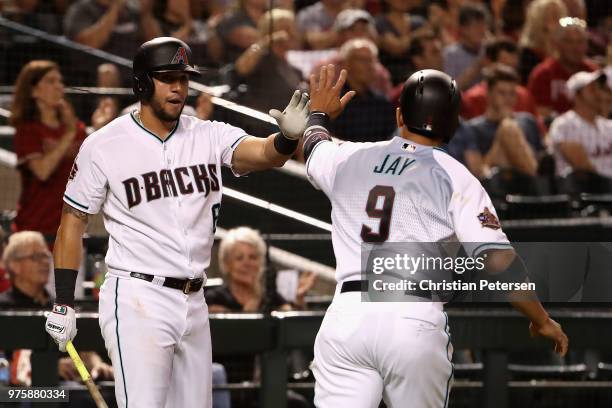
(61,325)
(292,121)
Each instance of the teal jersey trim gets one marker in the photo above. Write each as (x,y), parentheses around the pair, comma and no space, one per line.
(153,134)
(76,203)
(450,361)
(490,245)
(440,149)
(119,342)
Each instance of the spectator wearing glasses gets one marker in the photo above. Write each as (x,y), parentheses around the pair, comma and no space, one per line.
(29,262)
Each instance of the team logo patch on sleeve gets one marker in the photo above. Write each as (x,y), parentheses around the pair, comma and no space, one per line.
(488,219)
(73,171)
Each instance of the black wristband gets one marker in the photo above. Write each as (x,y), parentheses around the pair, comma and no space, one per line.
(284,145)
(65,282)
(318,119)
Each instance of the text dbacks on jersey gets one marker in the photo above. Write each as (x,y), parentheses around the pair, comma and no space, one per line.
(166,183)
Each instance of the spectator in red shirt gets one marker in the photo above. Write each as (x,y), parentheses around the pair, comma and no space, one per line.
(47,138)
(474,101)
(547,80)
(537,42)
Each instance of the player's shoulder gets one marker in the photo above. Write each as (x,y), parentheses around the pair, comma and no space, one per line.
(203,126)
(109,135)
(458,175)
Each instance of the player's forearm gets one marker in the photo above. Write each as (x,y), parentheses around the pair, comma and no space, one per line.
(67,253)
(532,309)
(69,240)
(274,157)
(317,130)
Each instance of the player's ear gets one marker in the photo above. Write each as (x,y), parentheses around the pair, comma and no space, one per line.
(398,118)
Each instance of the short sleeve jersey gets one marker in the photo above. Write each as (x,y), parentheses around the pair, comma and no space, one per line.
(160,199)
(417,194)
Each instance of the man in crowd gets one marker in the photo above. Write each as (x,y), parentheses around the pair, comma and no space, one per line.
(28,262)
(499,138)
(369,117)
(463,60)
(499,50)
(581,137)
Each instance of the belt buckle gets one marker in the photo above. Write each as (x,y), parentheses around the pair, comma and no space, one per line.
(187,287)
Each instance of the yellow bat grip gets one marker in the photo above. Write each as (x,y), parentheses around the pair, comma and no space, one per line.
(77,361)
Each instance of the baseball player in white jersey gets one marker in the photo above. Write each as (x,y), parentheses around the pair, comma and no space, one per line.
(156,176)
(403,190)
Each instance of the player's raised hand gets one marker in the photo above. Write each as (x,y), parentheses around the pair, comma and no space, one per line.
(325,95)
(553,331)
(292,121)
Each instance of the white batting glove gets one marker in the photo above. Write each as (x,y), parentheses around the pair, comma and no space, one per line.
(61,325)
(292,121)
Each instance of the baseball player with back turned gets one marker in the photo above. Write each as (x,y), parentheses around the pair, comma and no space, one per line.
(156,176)
(398,351)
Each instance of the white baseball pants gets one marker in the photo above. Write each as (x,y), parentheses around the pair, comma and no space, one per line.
(398,351)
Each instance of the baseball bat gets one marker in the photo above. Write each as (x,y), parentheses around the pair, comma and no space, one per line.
(93,390)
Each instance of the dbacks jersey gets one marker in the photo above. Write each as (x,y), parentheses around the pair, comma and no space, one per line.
(160,199)
(400,191)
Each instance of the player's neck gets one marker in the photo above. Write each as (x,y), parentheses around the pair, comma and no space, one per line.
(153,124)
(419,139)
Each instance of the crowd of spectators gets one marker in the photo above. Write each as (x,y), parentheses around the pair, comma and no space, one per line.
(266,49)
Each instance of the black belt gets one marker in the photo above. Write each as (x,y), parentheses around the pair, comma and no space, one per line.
(185,285)
(362,286)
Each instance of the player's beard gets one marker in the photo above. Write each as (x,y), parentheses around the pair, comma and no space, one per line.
(162,114)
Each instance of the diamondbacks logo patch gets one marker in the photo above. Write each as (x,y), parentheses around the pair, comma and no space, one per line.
(488,219)
(73,171)
(180,57)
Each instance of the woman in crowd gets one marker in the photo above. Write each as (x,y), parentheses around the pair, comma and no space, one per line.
(47,138)
(242,255)
(537,42)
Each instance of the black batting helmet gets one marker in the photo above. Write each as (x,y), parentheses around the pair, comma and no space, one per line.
(430,104)
(161,54)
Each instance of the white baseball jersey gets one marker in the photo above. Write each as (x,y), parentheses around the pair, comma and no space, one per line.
(160,199)
(396,191)
(595,138)
(400,191)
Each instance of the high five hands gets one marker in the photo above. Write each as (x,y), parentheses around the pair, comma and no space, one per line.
(325,95)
